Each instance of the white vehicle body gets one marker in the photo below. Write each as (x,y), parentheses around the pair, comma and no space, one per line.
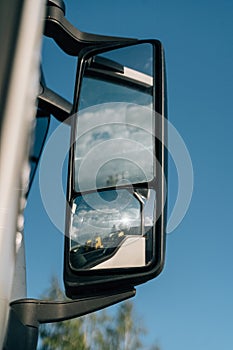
(130,253)
(16,127)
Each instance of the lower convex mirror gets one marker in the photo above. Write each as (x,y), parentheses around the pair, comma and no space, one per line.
(116,183)
(112,229)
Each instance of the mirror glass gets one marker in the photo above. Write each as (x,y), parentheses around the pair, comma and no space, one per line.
(112,229)
(114,130)
(114,146)
(113,210)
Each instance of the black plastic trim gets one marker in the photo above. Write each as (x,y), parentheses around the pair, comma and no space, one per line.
(54,104)
(70,39)
(58,3)
(27,314)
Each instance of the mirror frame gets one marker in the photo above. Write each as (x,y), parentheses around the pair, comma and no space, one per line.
(97,282)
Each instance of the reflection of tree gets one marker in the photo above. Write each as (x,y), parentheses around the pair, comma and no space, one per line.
(113,228)
(102,330)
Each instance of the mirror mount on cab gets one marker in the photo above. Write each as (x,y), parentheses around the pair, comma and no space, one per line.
(27,314)
(69,38)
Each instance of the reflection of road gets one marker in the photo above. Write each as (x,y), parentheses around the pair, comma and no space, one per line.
(130,253)
(96,250)
(103,230)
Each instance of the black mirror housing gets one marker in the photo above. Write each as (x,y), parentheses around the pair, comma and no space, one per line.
(116,196)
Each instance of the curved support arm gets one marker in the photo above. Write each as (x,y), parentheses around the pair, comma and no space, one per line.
(32,312)
(69,38)
(54,104)
(27,314)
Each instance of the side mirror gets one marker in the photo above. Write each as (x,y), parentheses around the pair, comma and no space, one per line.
(116,212)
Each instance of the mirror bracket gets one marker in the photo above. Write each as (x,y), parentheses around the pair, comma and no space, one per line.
(69,38)
(54,104)
(27,314)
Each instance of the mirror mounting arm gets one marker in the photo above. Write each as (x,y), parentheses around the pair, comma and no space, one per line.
(54,104)
(69,38)
(27,314)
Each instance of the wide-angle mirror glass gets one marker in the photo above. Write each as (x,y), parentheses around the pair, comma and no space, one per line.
(113,191)
(112,229)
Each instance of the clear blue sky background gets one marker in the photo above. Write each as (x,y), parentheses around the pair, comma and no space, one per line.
(190,305)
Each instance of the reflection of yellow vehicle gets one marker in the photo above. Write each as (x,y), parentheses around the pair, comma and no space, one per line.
(96,250)
(112,251)
(98,243)
(95,243)
(116,234)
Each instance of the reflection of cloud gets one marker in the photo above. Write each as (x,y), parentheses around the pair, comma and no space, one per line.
(87,224)
(148,65)
(113,120)
(110,132)
(102,219)
(149,221)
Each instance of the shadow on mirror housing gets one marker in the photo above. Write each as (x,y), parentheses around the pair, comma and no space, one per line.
(116,194)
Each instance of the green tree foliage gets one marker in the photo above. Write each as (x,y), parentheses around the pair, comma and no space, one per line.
(121,330)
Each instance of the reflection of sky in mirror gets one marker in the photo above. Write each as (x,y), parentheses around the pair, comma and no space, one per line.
(114,144)
(115,127)
(149,209)
(138,57)
(100,214)
(109,92)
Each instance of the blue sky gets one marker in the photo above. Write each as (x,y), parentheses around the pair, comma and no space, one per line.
(190,305)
